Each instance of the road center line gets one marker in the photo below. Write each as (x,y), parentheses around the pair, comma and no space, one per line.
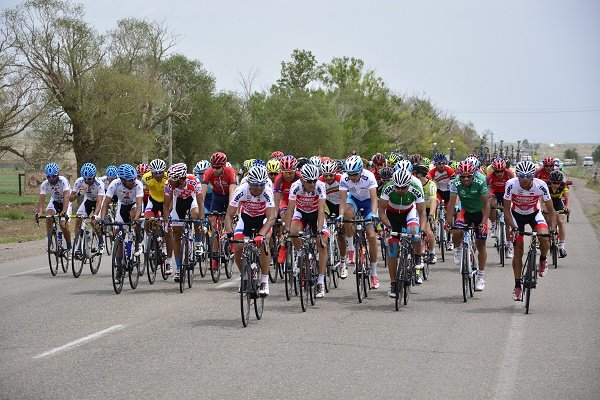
(230,283)
(509,368)
(81,341)
(23,272)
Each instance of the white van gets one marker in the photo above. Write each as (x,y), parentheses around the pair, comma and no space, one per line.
(588,161)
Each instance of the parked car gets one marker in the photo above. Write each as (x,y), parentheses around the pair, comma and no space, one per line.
(588,161)
(569,162)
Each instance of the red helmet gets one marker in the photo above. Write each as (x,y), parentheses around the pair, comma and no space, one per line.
(277,154)
(378,159)
(288,163)
(499,164)
(548,162)
(142,169)
(415,158)
(218,159)
(465,168)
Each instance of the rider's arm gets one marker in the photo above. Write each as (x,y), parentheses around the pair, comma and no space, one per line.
(289,213)
(231,211)
(450,209)
(167,205)
(343,197)
(271,216)
(567,199)
(41,202)
(551,213)
(485,211)
(508,217)
(138,207)
(373,194)
(66,201)
(422,215)
(382,215)
(321,214)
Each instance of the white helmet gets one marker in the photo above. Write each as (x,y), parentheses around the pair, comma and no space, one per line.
(329,167)
(258,175)
(401,177)
(309,172)
(157,166)
(177,171)
(525,167)
(353,164)
(403,165)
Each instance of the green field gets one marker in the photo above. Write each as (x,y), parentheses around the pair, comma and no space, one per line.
(9,189)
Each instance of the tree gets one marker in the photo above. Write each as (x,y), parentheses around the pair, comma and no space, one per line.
(596,154)
(525,143)
(571,153)
(298,73)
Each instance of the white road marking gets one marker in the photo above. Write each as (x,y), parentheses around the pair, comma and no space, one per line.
(230,283)
(509,368)
(23,273)
(81,341)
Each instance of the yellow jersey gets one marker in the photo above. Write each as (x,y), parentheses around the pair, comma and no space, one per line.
(155,188)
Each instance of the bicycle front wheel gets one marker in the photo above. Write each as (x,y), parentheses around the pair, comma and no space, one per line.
(78,262)
(53,254)
(215,273)
(303,287)
(529,279)
(245,294)
(134,271)
(191,263)
(259,302)
(117,267)
(465,270)
(96,256)
(151,258)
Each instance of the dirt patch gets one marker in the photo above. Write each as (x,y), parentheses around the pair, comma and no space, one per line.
(590,202)
(20,230)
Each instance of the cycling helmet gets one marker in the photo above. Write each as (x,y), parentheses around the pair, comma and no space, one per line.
(403,164)
(288,163)
(386,173)
(525,167)
(51,169)
(472,155)
(454,165)
(401,177)
(465,168)
(415,158)
(316,161)
(158,166)
(556,176)
(277,154)
(301,162)
(548,162)
(273,166)
(474,161)
(440,158)
(218,159)
(111,171)
(353,164)
(421,169)
(228,165)
(201,166)
(425,161)
(88,170)
(177,171)
(258,175)
(499,164)
(142,169)
(259,162)
(340,165)
(378,159)
(309,172)
(127,172)
(392,159)
(329,167)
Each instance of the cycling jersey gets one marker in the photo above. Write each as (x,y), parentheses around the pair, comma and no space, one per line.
(282,186)
(307,202)
(125,195)
(429,191)
(56,190)
(105,182)
(470,196)
(360,190)
(333,190)
(442,179)
(525,201)
(156,189)
(220,183)
(402,203)
(559,192)
(252,206)
(497,184)
(191,187)
(91,191)
(542,174)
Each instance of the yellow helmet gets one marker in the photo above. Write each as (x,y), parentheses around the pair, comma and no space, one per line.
(248,163)
(274,166)
(392,159)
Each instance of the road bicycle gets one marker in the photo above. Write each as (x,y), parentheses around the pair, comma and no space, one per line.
(308,268)
(333,255)
(126,255)
(362,268)
(155,255)
(57,253)
(187,252)
(529,271)
(405,271)
(501,243)
(85,248)
(468,263)
(223,255)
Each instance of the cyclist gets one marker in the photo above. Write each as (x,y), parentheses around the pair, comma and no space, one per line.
(559,191)
(199,169)
(60,190)
(362,186)
(257,209)
(521,198)
(273,168)
(442,175)
(283,183)
(154,183)
(431,201)
(129,193)
(111,175)
(183,193)
(378,161)
(142,169)
(92,190)
(402,208)
(472,191)
(307,199)
(223,181)
(543,172)
(496,181)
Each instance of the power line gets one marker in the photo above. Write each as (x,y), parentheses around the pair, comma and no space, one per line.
(526,111)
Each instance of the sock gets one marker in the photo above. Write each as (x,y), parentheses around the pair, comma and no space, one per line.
(264,279)
(542,258)
(350,242)
(68,245)
(480,273)
(374,268)
(178,263)
(518,283)
(197,238)
(321,279)
(562,244)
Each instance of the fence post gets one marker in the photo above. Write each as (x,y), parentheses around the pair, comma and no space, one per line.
(20,188)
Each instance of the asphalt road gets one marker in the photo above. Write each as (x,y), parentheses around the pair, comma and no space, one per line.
(66,338)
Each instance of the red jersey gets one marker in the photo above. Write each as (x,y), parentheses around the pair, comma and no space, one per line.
(497,184)
(541,173)
(220,184)
(376,173)
(442,179)
(280,185)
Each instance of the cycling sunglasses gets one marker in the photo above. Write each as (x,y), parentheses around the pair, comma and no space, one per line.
(525,176)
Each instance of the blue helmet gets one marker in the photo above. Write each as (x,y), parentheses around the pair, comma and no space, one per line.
(88,170)
(126,171)
(111,171)
(353,164)
(51,168)
(404,165)
(258,163)
(440,158)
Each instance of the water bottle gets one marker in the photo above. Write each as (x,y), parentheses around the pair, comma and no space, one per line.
(59,239)
(254,269)
(128,248)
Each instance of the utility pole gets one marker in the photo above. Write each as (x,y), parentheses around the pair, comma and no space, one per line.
(170,128)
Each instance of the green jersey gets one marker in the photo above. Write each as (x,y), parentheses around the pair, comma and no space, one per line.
(402,202)
(470,196)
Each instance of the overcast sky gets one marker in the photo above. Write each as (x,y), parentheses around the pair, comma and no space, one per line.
(521,68)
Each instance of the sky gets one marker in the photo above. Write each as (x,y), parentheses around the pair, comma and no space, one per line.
(520,68)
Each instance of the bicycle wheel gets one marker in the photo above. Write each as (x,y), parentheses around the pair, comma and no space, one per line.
(273,273)
(191,264)
(229,260)
(215,273)
(78,262)
(400,276)
(358,272)
(465,270)
(53,253)
(150,258)
(529,279)
(473,271)
(366,281)
(117,267)
(95,255)
(288,276)
(408,277)
(109,239)
(501,243)
(554,252)
(183,251)
(134,271)
(259,302)
(312,279)
(383,251)
(303,287)
(335,270)
(245,293)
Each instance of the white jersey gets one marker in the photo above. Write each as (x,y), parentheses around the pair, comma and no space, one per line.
(361,189)
(125,195)
(90,192)
(105,182)
(252,206)
(333,190)
(57,190)
(526,201)
(307,202)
